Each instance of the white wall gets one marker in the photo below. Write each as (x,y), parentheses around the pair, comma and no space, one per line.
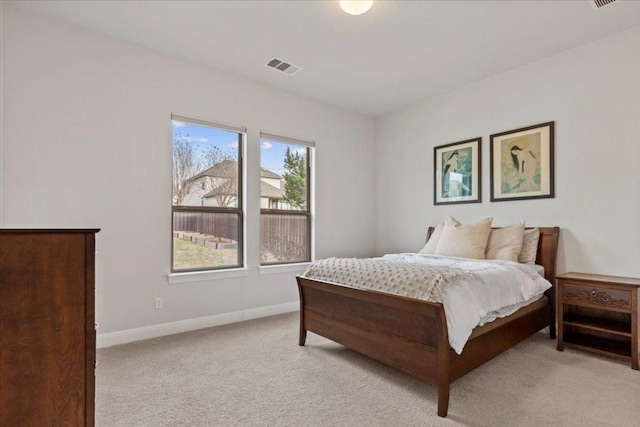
(592,93)
(87,143)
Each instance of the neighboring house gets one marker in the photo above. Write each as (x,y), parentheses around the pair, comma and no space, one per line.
(272,190)
(217,186)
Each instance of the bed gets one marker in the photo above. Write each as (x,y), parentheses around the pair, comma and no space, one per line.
(411,335)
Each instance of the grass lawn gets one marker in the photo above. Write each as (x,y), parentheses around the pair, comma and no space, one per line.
(189,255)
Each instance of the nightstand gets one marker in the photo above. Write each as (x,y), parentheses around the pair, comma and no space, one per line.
(599,314)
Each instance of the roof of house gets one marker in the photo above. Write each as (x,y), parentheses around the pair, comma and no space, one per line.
(227,168)
(266,190)
(266,173)
(224,169)
(271,192)
(232,190)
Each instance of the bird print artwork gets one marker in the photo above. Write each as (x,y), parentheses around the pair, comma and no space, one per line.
(452,163)
(456,173)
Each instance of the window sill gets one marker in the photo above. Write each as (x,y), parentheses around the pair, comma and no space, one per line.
(284,268)
(200,276)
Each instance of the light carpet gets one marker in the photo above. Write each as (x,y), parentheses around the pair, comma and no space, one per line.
(255,374)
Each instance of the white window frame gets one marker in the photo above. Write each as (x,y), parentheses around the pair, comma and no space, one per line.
(236,270)
(294,266)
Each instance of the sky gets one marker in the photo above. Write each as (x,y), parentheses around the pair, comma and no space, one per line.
(272,154)
(203,137)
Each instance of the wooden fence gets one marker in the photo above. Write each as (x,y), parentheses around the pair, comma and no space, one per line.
(282,237)
(222,225)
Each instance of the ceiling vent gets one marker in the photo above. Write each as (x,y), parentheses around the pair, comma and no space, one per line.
(284,67)
(597,4)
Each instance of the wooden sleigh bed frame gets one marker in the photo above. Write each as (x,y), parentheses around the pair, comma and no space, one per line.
(410,334)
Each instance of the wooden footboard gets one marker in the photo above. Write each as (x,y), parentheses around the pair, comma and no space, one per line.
(407,334)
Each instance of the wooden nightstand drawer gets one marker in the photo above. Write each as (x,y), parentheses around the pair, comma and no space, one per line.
(592,295)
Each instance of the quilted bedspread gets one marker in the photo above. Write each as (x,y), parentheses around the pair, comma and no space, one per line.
(395,274)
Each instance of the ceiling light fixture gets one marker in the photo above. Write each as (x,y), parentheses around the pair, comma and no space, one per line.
(356,7)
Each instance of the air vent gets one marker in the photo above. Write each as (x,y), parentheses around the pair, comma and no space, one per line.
(597,4)
(284,67)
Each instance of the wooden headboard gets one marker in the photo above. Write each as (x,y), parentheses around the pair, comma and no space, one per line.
(547,250)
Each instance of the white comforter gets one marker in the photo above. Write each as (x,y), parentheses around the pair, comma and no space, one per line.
(493,289)
(501,288)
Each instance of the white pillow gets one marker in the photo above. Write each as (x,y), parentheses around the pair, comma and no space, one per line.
(465,241)
(529,246)
(505,243)
(432,243)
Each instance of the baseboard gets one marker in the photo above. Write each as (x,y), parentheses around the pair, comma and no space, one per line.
(137,334)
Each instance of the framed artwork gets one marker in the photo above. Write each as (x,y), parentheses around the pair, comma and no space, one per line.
(522,163)
(457,172)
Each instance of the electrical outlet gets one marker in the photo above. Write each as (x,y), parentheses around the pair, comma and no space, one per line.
(158,302)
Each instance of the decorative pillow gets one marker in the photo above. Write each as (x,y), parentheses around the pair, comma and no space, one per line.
(432,243)
(465,241)
(505,243)
(529,246)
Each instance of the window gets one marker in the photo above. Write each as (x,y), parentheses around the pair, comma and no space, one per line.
(285,200)
(207,195)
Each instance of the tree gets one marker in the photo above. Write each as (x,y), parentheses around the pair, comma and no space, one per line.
(215,155)
(225,176)
(295,179)
(185,165)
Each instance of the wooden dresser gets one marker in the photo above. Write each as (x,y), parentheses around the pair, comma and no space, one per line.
(47,327)
(599,314)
